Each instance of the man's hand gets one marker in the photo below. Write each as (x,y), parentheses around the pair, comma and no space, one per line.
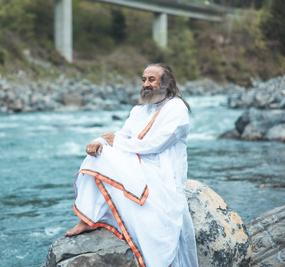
(94,149)
(109,137)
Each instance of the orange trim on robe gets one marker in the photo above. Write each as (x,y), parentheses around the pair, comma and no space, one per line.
(97,224)
(142,134)
(141,200)
(100,180)
(120,222)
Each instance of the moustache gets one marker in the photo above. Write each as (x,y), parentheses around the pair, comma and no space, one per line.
(151,95)
(146,91)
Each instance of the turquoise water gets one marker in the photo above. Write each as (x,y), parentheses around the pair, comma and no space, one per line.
(41,152)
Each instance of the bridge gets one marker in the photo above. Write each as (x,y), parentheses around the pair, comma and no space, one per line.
(160,8)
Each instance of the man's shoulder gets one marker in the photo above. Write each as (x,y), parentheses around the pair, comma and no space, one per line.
(135,110)
(177,104)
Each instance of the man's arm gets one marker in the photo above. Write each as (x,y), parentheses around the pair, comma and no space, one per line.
(107,138)
(171,124)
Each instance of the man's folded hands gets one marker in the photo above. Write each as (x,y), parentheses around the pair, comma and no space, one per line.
(96,146)
(94,149)
(109,137)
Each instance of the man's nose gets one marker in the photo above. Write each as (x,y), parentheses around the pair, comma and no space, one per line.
(146,83)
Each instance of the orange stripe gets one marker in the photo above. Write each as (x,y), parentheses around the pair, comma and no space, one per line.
(119,220)
(97,224)
(148,126)
(141,200)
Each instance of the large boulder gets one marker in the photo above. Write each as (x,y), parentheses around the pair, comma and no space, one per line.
(221,236)
(256,124)
(268,239)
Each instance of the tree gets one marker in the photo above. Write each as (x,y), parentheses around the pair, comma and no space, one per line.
(273,25)
(118,29)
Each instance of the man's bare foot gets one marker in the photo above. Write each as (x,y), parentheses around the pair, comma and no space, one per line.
(78,229)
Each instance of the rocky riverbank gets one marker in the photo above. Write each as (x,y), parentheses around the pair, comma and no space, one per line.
(262,95)
(62,93)
(66,93)
(264,117)
(255,125)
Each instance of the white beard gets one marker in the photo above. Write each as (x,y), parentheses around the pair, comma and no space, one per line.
(152,96)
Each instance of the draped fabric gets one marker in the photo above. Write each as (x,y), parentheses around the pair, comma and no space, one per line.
(134,188)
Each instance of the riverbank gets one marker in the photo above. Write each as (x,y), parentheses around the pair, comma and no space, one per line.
(65,93)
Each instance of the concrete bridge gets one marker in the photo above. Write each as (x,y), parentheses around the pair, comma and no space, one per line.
(160,8)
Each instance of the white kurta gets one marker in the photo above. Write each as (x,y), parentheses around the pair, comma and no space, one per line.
(162,227)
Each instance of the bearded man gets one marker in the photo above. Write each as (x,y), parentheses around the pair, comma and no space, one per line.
(132,181)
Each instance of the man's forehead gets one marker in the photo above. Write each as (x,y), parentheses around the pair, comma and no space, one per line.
(153,71)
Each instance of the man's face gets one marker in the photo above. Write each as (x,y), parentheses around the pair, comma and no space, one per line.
(151,77)
(151,91)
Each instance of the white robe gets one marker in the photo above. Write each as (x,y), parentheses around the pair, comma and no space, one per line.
(161,226)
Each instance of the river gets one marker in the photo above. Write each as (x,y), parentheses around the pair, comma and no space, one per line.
(41,152)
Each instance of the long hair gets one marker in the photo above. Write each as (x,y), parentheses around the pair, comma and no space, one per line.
(168,82)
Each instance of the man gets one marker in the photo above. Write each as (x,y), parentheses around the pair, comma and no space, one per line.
(131,182)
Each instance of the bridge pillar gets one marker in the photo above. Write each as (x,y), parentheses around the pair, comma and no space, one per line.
(63,28)
(159,29)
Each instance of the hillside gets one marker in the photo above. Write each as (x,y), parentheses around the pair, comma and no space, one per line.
(112,43)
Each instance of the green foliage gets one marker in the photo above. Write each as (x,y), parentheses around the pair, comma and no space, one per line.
(118,30)
(26,18)
(273,24)
(182,54)
(92,24)
(114,40)
(16,17)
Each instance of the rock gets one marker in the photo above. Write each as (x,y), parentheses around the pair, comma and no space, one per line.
(276,133)
(221,236)
(268,239)
(98,248)
(242,122)
(72,99)
(263,95)
(116,117)
(203,87)
(253,132)
(231,134)
(16,106)
(256,124)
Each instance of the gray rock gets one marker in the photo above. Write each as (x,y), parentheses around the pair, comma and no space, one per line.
(268,239)
(221,236)
(263,95)
(206,87)
(72,99)
(98,248)
(256,124)
(242,122)
(276,133)
(231,134)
